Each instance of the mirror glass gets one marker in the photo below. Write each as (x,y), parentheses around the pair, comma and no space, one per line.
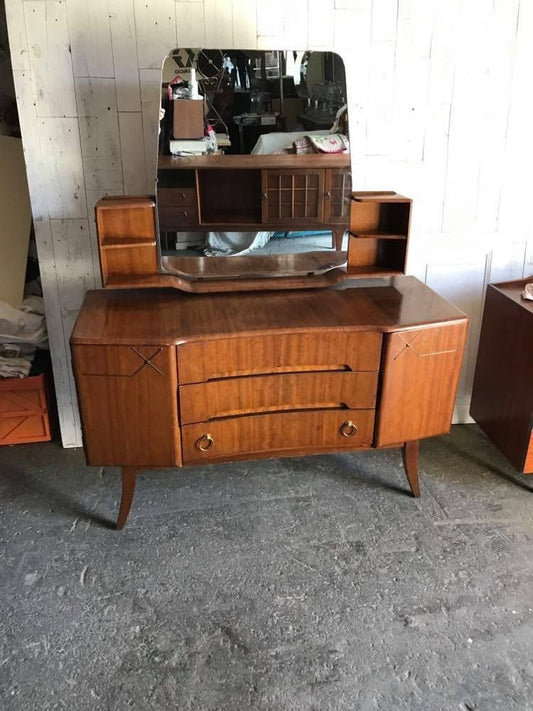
(253,165)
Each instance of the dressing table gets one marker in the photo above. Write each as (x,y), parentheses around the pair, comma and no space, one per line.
(167,378)
(187,359)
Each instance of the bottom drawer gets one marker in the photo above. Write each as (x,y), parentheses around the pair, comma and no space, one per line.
(303,432)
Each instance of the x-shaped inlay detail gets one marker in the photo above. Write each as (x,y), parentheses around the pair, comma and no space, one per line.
(408,346)
(147,361)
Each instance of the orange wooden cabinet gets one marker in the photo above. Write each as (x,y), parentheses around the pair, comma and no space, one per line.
(166,379)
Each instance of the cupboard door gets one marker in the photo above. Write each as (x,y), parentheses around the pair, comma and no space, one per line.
(419,382)
(292,196)
(128,404)
(338,197)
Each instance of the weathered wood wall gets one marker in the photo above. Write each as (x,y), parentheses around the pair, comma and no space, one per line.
(439,102)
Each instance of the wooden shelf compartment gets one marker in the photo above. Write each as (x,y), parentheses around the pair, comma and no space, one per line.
(379,232)
(230,196)
(375,253)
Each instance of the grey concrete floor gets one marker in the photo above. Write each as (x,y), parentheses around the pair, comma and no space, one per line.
(313,583)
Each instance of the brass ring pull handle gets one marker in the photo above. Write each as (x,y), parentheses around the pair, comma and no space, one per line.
(265,195)
(327,196)
(205,442)
(348,429)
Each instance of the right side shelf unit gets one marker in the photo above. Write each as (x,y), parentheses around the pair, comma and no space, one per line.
(379,233)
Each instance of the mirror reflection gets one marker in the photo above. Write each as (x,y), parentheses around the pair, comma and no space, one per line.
(253,162)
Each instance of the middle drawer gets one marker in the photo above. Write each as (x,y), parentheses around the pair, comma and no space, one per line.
(228,397)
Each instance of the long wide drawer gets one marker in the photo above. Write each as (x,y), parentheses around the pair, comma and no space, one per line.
(277,353)
(277,434)
(228,397)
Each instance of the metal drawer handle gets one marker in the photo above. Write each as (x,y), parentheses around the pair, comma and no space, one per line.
(327,196)
(348,429)
(184,195)
(205,442)
(185,213)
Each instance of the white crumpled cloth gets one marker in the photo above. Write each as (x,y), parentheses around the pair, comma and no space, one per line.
(22,331)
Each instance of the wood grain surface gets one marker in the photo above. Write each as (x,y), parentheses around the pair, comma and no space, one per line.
(229,397)
(277,435)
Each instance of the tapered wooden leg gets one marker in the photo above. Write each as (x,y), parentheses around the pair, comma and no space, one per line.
(337,233)
(410,463)
(129,475)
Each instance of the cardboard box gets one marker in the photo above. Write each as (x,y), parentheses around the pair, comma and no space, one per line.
(188,118)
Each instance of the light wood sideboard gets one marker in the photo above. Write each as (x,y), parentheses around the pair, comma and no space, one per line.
(168,379)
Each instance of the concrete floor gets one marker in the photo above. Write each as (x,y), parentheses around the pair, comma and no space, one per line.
(300,584)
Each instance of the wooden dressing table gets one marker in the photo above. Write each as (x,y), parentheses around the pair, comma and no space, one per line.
(168,379)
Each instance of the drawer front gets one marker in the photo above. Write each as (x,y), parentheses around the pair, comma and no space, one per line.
(177,197)
(277,353)
(171,218)
(277,435)
(200,402)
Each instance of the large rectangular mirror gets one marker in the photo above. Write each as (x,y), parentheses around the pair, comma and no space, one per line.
(254,165)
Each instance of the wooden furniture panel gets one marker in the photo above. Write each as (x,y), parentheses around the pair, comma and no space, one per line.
(263,375)
(277,353)
(277,434)
(420,375)
(296,391)
(126,237)
(127,398)
(502,394)
(379,231)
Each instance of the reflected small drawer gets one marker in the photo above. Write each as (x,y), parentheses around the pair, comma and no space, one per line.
(173,217)
(176,197)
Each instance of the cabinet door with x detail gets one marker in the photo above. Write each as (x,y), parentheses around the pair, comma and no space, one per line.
(420,375)
(128,404)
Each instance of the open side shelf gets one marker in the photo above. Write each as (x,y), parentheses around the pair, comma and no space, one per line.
(379,232)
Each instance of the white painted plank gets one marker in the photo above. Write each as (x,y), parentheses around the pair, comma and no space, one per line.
(384,20)
(219,24)
(270,24)
(64,390)
(16,26)
(74,269)
(123,31)
(379,108)
(150,101)
(90,38)
(245,24)
(131,142)
(31,143)
(99,134)
(155,22)
(463,284)
(507,258)
(320,26)
(50,59)
(62,167)
(95,97)
(295,25)
(190,24)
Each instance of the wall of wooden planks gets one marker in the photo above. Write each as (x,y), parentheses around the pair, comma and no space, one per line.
(439,104)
